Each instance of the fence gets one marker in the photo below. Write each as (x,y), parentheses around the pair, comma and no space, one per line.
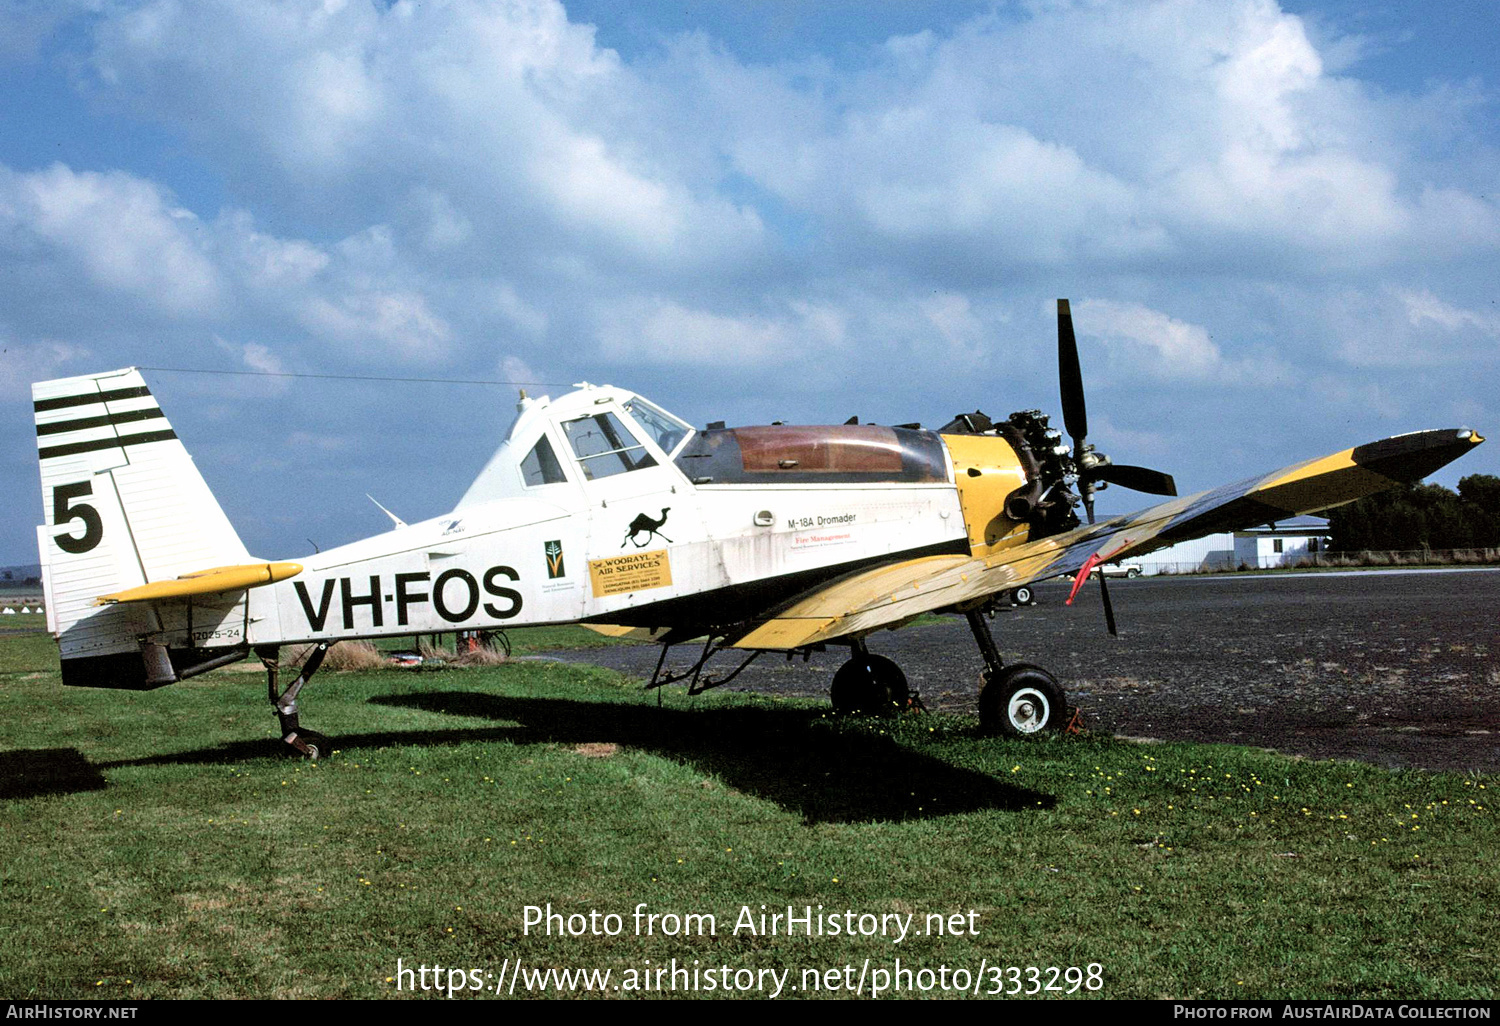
(1219,563)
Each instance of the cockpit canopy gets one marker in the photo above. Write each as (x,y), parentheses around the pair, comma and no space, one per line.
(600,432)
(841,454)
(587,435)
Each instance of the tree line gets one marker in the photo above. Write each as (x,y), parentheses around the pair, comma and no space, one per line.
(1422,516)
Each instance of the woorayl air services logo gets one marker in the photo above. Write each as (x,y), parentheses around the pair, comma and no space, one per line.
(554,553)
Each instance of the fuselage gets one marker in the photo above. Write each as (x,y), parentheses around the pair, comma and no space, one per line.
(602,508)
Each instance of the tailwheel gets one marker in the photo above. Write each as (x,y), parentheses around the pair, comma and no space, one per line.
(1021,700)
(869,685)
(308,744)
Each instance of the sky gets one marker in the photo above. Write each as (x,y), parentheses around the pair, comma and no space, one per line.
(1278,227)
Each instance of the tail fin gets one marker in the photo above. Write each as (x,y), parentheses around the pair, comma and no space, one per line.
(124,505)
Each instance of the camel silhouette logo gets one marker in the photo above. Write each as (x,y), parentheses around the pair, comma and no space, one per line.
(644,525)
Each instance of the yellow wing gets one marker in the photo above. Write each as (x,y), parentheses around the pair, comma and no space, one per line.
(614,630)
(891,595)
(206,582)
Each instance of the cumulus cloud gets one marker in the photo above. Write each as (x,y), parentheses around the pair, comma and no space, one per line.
(1148,343)
(1422,307)
(504,140)
(1188,131)
(516,370)
(99,238)
(1397,326)
(254,356)
(441,226)
(472,184)
(1128,444)
(486,112)
(117,231)
(22,363)
(392,324)
(954,318)
(665,332)
(263,262)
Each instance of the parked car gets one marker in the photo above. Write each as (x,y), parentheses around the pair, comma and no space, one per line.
(1131,570)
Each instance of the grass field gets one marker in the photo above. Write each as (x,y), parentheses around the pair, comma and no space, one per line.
(152,845)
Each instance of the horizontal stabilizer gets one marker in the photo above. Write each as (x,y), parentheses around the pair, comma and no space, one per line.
(206,582)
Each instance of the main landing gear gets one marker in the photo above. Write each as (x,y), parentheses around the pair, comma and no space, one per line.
(306,743)
(1019,699)
(869,685)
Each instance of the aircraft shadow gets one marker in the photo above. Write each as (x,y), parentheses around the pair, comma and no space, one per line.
(37,772)
(779,755)
(33,772)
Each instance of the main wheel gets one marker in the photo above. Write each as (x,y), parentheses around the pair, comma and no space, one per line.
(869,685)
(1020,701)
(1023,596)
(1133,573)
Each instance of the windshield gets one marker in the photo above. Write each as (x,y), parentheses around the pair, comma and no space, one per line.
(665,430)
(604,447)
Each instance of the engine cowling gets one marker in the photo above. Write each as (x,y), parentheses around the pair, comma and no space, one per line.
(1013,478)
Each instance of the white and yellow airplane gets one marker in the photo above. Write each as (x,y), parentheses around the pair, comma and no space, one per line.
(603,509)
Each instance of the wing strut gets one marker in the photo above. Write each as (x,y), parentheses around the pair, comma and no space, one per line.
(1083,575)
(710,649)
(1109,607)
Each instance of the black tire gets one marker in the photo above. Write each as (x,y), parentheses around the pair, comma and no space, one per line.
(1023,596)
(319,746)
(1021,701)
(869,685)
(1132,573)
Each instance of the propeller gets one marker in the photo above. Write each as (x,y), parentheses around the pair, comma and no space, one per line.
(1140,479)
(1093,467)
(1070,375)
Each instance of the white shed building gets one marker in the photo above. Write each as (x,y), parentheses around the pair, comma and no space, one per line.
(1281,544)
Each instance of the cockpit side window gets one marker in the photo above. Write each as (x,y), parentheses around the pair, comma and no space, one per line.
(665,430)
(540,467)
(605,447)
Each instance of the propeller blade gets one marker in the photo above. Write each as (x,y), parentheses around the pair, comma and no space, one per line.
(1140,479)
(1109,607)
(1070,376)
